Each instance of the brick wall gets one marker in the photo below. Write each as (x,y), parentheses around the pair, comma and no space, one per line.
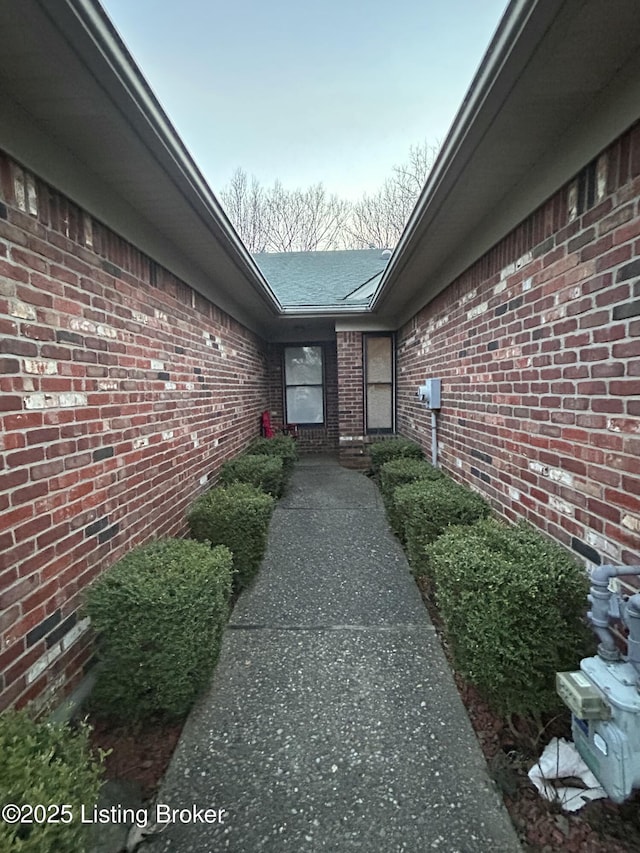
(538,347)
(350,398)
(321,439)
(123,390)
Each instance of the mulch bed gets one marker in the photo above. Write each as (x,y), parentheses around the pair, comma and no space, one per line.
(142,755)
(599,827)
(138,754)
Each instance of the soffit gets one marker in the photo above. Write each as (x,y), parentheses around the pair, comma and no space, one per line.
(556,90)
(124,164)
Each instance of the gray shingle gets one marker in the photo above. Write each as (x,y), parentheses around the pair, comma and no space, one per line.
(319,278)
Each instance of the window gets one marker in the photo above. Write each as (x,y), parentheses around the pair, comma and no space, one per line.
(303,377)
(378,364)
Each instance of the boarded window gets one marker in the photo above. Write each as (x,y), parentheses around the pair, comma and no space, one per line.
(378,358)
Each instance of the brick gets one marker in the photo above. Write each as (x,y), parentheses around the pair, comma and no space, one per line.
(625,387)
(102,453)
(585,550)
(43,628)
(109,533)
(46,470)
(97,526)
(629,271)
(37,333)
(9,365)
(630,309)
(25,457)
(29,493)
(10,403)
(18,347)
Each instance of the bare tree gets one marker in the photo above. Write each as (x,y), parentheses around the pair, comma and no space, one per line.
(379,220)
(318,220)
(276,219)
(246,207)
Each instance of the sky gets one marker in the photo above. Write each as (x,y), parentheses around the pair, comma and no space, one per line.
(333,92)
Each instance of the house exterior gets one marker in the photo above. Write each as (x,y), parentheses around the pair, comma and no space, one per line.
(140,342)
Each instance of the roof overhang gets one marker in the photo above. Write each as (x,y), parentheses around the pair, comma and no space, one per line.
(559,76)
(77,112)
(560,82)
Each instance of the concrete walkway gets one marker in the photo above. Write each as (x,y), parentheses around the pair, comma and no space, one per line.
(333,722)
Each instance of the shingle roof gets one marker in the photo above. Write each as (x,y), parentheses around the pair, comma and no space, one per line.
(321,278)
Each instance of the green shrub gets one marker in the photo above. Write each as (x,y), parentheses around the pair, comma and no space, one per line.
(159,613)
(263,472)
(428,507)
(283,446)
(48,765)
(392,448)
(513,604)
(399,472)
(236,516)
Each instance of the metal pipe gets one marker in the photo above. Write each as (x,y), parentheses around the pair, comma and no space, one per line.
(632,620)
(600,615)
(434,439)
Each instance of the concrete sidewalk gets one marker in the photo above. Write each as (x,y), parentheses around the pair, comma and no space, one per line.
(333,722)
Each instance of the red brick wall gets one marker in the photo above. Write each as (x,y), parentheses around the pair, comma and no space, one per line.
(538,347)
(350,397)
(321,439)
(123,391)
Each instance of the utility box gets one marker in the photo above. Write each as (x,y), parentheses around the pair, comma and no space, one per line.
(430,392)
(609,747)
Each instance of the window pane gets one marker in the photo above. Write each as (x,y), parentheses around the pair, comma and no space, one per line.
(305,405)
(379,359)
(379,412)
(303,365)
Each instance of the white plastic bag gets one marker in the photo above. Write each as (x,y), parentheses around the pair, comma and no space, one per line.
(561,759)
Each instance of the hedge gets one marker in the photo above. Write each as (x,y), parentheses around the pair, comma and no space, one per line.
(263,472)
(513,604)
(392,448)
(159,613)
(236,516)
(428,507)
(283,446)
(46,765)
(399,472)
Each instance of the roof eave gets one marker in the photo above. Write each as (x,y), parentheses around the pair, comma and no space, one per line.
(500,160)
(72,49)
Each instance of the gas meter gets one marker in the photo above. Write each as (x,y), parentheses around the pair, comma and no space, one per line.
(604,696)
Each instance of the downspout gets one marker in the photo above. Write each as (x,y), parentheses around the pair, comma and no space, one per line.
(600,615)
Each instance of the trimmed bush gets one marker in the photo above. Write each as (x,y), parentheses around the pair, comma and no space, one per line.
(513,604)
(283,446)
(47,765)
(392,448)
(263,472)
(236,516)
(428,507)
(159,613)
(399,472)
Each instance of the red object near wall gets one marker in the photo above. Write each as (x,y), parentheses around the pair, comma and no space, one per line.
(266,430)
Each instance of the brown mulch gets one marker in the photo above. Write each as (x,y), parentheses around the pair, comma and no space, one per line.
(142,755)
(599,827)
(138,754)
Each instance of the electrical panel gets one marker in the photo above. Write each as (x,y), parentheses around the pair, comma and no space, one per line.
(430,393)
